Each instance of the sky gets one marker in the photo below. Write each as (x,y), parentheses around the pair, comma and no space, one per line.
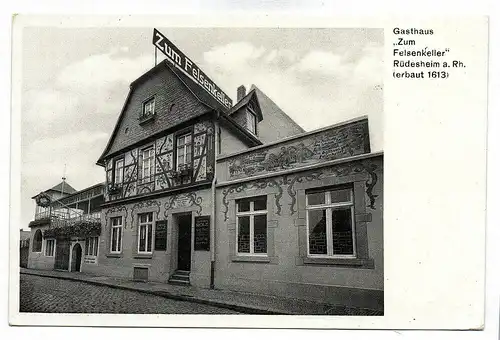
(75,81)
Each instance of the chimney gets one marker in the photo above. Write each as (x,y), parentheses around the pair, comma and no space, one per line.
(241,92)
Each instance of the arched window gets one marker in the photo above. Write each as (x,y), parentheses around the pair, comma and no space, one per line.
(37,242)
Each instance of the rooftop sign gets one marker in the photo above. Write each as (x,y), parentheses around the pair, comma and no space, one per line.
(183,63)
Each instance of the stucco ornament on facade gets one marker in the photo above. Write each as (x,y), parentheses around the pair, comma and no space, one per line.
(338,171)
(342,142)
(146,204)
(290,181)
(262,184)
(118,208)
(184,200)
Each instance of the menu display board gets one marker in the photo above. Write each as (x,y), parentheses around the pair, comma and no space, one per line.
(161,235)
(202,233)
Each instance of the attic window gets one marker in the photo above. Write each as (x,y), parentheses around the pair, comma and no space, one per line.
(148,108)
(251,123)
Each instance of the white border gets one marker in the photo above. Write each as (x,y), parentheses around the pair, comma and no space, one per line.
(423,7)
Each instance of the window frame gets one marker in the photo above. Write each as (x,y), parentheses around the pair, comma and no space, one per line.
(251,213)
(254,122)
(35,241)
(95,246)
(146,224)
(328,206)
(118,244)
(151,176)
(115,168)
(183,134)
(146,103)
(46,246)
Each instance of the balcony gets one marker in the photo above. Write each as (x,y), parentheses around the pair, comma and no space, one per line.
(64,217)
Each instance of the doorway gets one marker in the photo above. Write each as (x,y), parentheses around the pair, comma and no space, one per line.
(76,258)
(62,254)
(184,242)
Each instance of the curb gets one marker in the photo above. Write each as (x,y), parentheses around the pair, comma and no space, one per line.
(242,308)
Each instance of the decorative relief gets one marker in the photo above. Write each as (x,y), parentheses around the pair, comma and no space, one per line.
(129,189)
(202,170)
(199,143)
(164,144)
(146,204)
(166,176)
(184,200)
(116,209)
(333,144)
(337,171)
(145,188)
(342,142)
(131,157)
(202,127)
(262,184)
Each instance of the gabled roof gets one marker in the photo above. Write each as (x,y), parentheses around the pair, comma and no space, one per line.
(66,189)
(63,187)
(269,106)
(250,99)
(201,95)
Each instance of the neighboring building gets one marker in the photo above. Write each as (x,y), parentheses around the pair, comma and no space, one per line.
(24,244)
(66,228)
(238,198)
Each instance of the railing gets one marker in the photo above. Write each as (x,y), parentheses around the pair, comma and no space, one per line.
(61,218)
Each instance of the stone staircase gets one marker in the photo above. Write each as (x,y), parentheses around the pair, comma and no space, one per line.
(179,277)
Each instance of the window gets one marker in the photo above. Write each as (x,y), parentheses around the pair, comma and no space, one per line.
(37,241)
(183,151)
(145,233)
(91,246)
(330,224)
(148,107)
(251,123)
(49,247)
(119,171)
(219,142)
(116,234)
(251,224)
(147,165)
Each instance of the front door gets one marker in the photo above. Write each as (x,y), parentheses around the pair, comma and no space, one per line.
(76,258)
(184,243)
(62,254)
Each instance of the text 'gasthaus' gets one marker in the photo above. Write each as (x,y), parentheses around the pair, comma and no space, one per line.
(413,61)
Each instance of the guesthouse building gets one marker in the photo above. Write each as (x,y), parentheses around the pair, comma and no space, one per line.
(200,191)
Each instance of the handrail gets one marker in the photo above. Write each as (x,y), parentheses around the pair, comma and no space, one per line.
(65,218)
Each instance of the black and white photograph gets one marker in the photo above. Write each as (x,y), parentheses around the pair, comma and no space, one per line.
(202,170)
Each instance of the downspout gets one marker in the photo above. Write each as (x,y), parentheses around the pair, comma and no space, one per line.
(212,217)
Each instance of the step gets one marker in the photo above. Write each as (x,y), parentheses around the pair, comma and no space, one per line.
(178,282)
(180,277)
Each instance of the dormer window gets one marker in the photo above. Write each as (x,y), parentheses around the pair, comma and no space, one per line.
(148,108)
(251,123)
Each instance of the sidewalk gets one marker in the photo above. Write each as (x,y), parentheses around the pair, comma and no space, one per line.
(241,302)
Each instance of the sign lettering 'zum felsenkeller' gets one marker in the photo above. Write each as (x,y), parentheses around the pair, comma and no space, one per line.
(189,68)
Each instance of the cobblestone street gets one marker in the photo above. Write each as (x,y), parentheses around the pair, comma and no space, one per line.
(50,295)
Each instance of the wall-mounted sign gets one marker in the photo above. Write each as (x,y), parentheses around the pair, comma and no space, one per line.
(43,200)
(189,68)
(90,260)
(161,235)
(202,233)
